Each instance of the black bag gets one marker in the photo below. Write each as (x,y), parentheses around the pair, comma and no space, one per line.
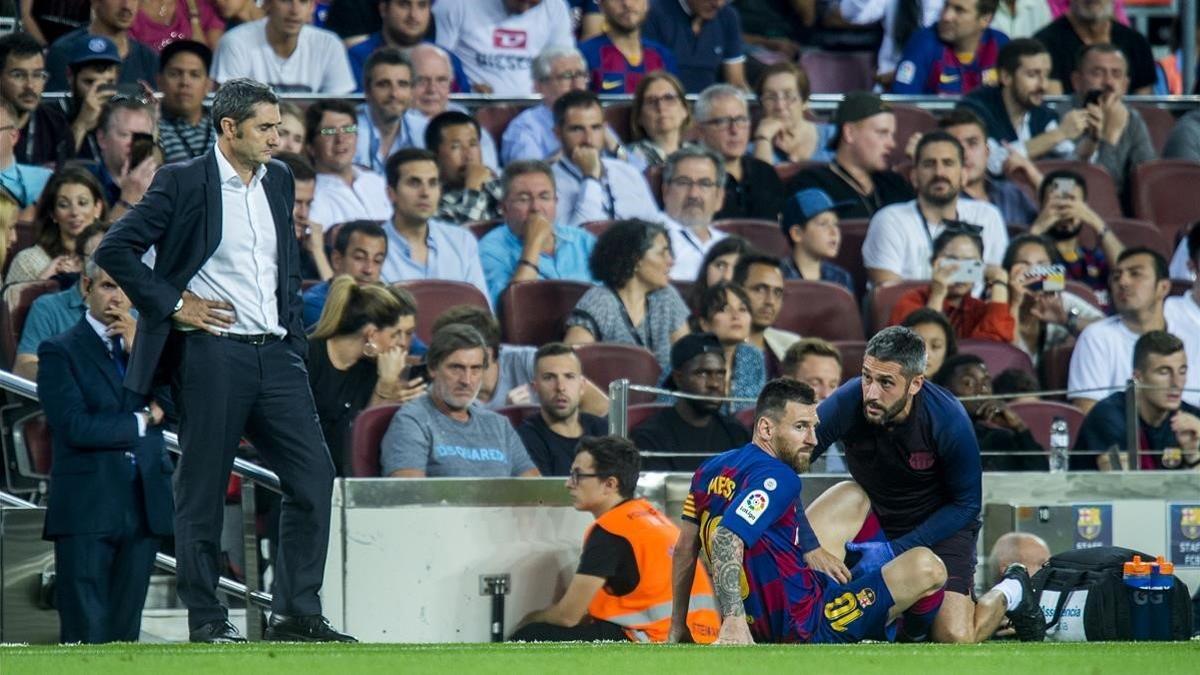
(1084,597)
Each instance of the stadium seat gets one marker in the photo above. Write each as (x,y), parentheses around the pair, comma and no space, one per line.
(1055,366)
(1085,292)
(909,120)
(1160,190)
(14,307)
(517,414)
(764,235)
(605,362)
(635,415)
(365,436)
(1102,194)
(598,227)
(495,117)
(1159,122)
(746,417)
(435,296)
(1132,232)
(788,170)
(852,357)
(881,299)
(654,178)
(482,227)
(819,309)
(306,284)
(32,445)
(616,115)
(999,356)
(684,288)
(832,72)
(532,312)
(849,255)
(1038,416)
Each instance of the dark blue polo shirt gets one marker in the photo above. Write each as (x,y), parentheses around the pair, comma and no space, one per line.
(698,56)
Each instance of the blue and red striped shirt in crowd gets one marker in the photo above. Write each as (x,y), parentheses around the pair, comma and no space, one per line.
(930,66)
(611,73)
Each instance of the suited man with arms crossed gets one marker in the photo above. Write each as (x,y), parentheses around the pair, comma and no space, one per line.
(221,318)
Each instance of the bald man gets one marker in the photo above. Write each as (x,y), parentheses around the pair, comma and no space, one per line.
(1017,547)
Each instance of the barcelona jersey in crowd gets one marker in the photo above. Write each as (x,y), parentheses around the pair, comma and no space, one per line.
(610,72)
(930,66)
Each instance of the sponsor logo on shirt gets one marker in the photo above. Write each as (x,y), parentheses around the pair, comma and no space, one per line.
(906,72)
(610,84)
(753,506)
(947,78)
(504,38)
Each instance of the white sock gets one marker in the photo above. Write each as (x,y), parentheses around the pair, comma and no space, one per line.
(1011,588)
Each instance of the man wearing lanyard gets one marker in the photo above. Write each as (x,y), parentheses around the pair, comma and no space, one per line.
(693,190)
(592,187)
(387,80)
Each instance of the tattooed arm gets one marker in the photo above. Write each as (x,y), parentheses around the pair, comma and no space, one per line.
(726,558)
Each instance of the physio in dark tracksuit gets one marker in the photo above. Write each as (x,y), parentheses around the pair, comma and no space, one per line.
(221,320)
(110,483)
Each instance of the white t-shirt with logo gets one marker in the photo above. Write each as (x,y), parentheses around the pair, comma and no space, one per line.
(498,48)
(319,65)
(899,241)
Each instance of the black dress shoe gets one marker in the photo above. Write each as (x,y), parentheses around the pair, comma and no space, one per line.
(216,632)
(315,628)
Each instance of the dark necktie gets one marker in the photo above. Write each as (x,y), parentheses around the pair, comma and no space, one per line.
(118,355)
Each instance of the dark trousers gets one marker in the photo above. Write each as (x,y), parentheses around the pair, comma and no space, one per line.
(101,580)
(596,631)
(223,389)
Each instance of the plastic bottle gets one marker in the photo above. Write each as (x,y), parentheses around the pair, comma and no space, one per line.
(1060,439)
(1159,597)
(1138,576)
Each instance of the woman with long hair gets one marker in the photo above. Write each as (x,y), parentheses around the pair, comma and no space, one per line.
(72,200)
(658,119)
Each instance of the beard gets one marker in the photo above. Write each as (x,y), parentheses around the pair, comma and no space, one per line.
(1063,231)
(889,414)
(939,200)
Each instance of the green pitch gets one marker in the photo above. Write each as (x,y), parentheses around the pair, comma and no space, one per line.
(1004,658)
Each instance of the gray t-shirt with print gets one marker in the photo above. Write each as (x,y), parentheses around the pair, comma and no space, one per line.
(421,437)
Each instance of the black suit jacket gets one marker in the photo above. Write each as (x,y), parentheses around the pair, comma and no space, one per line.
(180,215)
(92,423)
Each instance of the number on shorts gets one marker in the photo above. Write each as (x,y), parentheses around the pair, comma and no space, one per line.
(842,611)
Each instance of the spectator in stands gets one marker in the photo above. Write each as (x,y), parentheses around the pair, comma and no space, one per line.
(1168,434)
(441,434)
(498,39)
(344,191)
(55,313)
(121,120)
(658,119)
(1017,547)
(724,311)
(1183,310)
(620,57)
(310,234)
(1005,442)
(785,134)
(238,12)
(111,20)
(752,188)
(815,362)
(901,20)
(406,23)
(530,244)
(71,201)
(41,126)
(937,334)
(956,56)
(1117,137)
(92,74)
(185,129)
(160,23)
(698,367)
(357,358)
(762,277)
(291,129)
(1101,357)
(285,51)
(24,182)
(900,237)
(693,190)
(706,38)
(1003,192)
(1181,266)
(9,212)
(470,190)
(1017,385)
(387,77)
(419,246)
(717,266)
(635,303)
(553,434)
(591,186)
(623,580)
(971,317)
(1045,319)
(859,171)
(1090,22)
(1184,139)
(359,250)
(1020,19)
(810,224)
(432,77)
(777,29)
(1065,212)
(1015,112)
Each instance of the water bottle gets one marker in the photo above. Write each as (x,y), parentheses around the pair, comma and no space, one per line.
(1138,576)
(1060,438)
(1159,596)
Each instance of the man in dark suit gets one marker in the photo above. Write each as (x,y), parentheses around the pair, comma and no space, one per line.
(110,486)
(221,320)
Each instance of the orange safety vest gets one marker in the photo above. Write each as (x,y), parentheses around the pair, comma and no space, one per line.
(645,612)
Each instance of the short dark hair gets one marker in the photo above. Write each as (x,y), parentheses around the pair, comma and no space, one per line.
(899,344)
(553,349)
(402,157)
(1022,240)
(19,45)
(477,318)
(302,169)
(748,260)
(120,103)
(384,56)
(924,315)
(1098,48)
(810,346)
(715,298)
(938,136)
(237,98)
(1009,59)
(317,109)
(1193,241)
(614,457)
(573,99)
(367,228)
(945,375)
(983,7)
(453,338)
(777,393)
(1154,342)
(618,250)
(442,121)
(1051,176)
(524,167)
(961,117)
(943,240)
(1014,381)
(1161,270)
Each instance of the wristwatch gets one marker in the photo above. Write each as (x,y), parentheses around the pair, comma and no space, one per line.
(1073,315)
(178,305)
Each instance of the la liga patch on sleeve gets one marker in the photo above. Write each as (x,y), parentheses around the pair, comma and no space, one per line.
(753,506)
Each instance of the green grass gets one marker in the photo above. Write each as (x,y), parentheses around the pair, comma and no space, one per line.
(609,659)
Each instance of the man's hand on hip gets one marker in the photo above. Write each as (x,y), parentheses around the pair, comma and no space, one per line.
(214,316)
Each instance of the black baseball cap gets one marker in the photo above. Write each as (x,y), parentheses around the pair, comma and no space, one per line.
(692,345)
(855,107)
(189,46)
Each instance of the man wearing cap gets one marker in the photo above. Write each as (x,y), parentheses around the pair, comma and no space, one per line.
(111,20)
(40,125)
(859,173)
(184,129)
(693,189)
(692,426)
(810,223)
(92,79)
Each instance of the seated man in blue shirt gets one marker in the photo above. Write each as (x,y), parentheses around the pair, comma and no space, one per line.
(704,36)
(406,23)
(530,135)
(24,182)
(359,250)
(530,245)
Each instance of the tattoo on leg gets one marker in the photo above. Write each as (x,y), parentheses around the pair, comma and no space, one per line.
(727,550)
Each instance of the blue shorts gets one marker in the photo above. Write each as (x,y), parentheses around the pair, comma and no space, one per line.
(855,611)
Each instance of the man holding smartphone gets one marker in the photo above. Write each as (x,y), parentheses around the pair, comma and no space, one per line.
(1065,213)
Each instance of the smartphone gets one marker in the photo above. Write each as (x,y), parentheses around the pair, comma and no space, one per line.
(1093,97)
(1046,278)
(141,147)
(1064,186)
(968,272)
(419,370)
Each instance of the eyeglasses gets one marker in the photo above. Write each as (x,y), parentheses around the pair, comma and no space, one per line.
(27,75)
(785,97)
(576,475)
(338,131)
(687,183)
(525,200)
(569,75)
(736,122)
(655,101)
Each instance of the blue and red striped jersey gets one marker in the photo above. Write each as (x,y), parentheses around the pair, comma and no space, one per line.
(930,66)
(610,72)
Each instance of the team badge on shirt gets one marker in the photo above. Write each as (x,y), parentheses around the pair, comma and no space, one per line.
(770,484)
(753,506)
(866,597)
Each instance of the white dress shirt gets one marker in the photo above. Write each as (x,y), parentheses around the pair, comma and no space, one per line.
(688,250)
(335,202)
(102,333)
(621,192)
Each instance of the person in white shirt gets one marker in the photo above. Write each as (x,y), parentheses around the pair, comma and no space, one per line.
(900,19)
(1183,311)
(498,39)
(432,74)
(693,190)
(344,192)
(900,237)
(284,51)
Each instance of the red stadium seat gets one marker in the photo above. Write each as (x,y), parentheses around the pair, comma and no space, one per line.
(1160,194)
(746,417)
(14,307)
(1055,366)
(1102,194)
(909,120)
(1132,232)
(999,356)
(635,415)
(684,288)
(1038,415)
(598,227)
(819,309)
(616,115)
(495,117)
(365,436)
(1085,292)
(532,312)
(852,357)
(1159,122)
(881,299)
(32,444)
(517,414)
(482,227)
(849,255)
(605,362)
(765,235)
(435,296)
(837,72)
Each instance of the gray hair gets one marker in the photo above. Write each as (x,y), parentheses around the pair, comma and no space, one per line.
(237,98)
(694,151)
(899,345)
(452,338)
(543,63)
(415,52)
(706,99)
(524,167)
